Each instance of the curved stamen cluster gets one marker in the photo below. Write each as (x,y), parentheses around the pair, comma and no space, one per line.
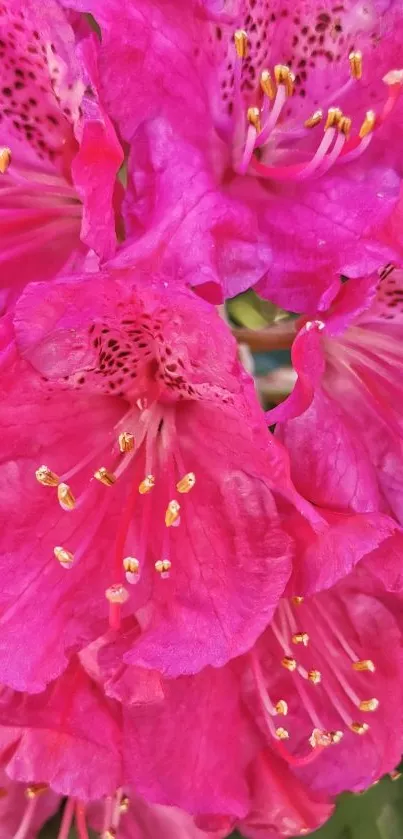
(341,677)
(134,443)
(339,143)
(114,808)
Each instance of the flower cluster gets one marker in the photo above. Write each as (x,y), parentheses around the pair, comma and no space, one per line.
(200,618)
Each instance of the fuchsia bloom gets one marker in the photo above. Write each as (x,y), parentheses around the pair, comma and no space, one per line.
(156,453)
(344,418)
(229,160)
(60,154)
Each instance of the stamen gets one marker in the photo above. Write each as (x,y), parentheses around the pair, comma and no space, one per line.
(355,59)
(267,84)
(46,477)
(131,566)
(163,567)
(313,120)
(241,43)
(67,818)
(109,834)
(81,822)
(34,790)
(5,159)
(297,601)
(66,497)
(105,477)
(25,827)
(364,665)
(315,676)
(281,707)
(172,513)
(336,736)
(126,442)
(393,77)
(186,483)
(394,776)
(124,804)
(359,727)
(117,594)
(333,118)
(282,733)
(253,115)
(345,125)
(66,558)
(301,638)
(320,738)
(368,124)
(284,76)
(289,663)
(147,484)
(369,704)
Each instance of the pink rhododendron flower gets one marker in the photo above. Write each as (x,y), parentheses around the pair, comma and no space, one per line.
(229,160)
(344,418)
(60,154)
(150,450)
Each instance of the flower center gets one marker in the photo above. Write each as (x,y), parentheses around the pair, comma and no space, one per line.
(269,141)
(139,456)
(328,679)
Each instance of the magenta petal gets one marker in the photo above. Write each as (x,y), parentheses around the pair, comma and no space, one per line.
(194,727)
(68,737)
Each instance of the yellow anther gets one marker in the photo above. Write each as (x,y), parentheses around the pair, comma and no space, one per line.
(355,59)
(46,477)
(283,75)
(241,43)
(66,497)
(320,738)
(393,77)
(336,736)
(394,776)
(297,601)
(253,115)
(34,790)
(282,733)
(315,676)
(359,727)
(65,557)
(186,483)
(345,125)
(368,125)
(364,665)
(147,484)
(124,804)
(333,118)
(105,477)
(109,834)
(289,663)
(117,593)
(369,704)
(131,565)
(5,159)
(172,513)
(163,566)
(267,84)
(281,707)
(301,638)
(126,442)
(314,119)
